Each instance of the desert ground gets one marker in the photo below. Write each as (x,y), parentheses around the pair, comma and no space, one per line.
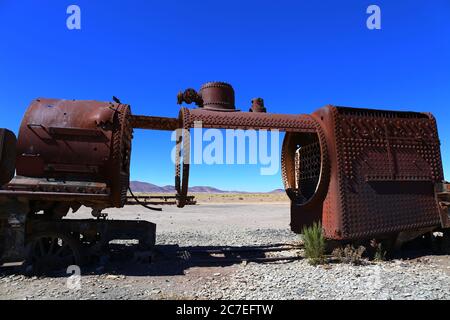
(219,223)
(236,198)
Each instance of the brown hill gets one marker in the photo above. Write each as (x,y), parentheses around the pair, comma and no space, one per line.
(145,187)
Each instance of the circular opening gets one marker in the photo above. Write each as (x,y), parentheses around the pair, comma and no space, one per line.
(302,166)
(307,168)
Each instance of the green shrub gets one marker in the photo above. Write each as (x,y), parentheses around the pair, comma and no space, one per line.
(314,243)
(380,253)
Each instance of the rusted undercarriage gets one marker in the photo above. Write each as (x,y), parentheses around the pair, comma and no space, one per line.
(365,174)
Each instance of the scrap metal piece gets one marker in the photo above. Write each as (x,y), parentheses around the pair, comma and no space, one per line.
(248,120)
(383,168)
(258,105)
(158,200)
(224,120)
(363,173)
(7,155)
(218,96)
(73,140)
(190,96)
(154,123)
(214,96)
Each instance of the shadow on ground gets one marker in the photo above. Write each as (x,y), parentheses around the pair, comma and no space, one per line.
(172,260)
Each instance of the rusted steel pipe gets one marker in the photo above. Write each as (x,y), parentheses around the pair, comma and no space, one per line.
(189,118)
(57,196)
(154,123)
(247,120)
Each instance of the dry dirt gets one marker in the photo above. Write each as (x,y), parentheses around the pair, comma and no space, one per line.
(236,198)
(170,276)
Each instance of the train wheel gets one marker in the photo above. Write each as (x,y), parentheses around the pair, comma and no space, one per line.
(52,252)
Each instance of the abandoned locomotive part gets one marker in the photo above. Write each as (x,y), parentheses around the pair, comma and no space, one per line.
(77,141)
(69,154)
(154,123)
(7,155)
(52,245)
(377,178)
(158,200)
(363,173)
(214,96)
(258,105)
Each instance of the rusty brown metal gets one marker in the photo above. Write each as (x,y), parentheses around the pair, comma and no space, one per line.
(214,96)
(362,173)
(159,200)
(71,140)
(443,196)
(7,155)
(154,123)
(218,96)
(258,105)
(383,169)
(190,96)
(225,120)
(248,120)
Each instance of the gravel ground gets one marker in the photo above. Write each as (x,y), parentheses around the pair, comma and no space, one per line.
(299,280)
(169,277)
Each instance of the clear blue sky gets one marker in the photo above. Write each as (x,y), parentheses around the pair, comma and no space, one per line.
(297,55)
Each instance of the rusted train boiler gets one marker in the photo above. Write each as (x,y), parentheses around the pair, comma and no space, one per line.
(68,154)
(362,173)
(365,174)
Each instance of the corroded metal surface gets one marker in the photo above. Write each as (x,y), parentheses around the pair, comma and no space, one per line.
(443,196)
(77,141)
(217,96)
(154,123)
(248,120)
(384,166)
(258,105)
(364,174)
(189,118)
(159,200)
(7,155)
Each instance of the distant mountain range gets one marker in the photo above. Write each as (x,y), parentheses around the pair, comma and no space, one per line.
(145,187)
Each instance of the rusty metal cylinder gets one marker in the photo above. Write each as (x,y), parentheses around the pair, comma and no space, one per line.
(86,141)
(218,96)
